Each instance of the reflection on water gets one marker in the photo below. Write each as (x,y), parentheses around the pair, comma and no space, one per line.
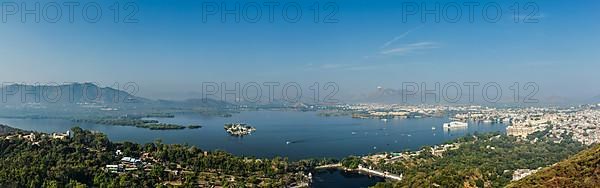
(296,135)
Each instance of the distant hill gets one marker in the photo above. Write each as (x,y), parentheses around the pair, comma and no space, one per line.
(595,99)
(581,170)
(6,129)
(87,99)
(85,93)
(19,94)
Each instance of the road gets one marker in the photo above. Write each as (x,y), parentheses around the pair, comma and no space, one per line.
(381,174)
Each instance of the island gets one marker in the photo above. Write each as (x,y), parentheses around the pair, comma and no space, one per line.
(194,126)
(239,129)
(135,122)
(160,126)
(119,121)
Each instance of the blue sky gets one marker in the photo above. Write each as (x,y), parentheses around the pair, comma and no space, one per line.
(171,51)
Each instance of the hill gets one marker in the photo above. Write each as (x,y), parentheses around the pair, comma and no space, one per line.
(581,170)
(481,160)
(6,129)
(67,94)
(88,99)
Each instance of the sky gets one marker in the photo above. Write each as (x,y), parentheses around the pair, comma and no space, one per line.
(169,48)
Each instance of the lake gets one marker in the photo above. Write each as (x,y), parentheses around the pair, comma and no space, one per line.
(308,134)
(340,178)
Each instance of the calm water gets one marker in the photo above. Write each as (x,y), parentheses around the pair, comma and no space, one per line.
(310,135)
(339,178)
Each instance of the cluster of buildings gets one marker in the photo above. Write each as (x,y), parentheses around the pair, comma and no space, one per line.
(521,173)
(126,164)
(129,163)
(239,129)
(388,111)
(437,150)
(580,123)
(485,114)
(36,138)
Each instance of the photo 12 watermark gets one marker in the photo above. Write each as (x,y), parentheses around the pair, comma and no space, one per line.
(113,93)
(469,11)
(269,12)
(69,11)
(68,92)
(270,92)
(470,92)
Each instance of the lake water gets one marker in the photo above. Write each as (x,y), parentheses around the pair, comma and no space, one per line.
(309,135)
(340,178)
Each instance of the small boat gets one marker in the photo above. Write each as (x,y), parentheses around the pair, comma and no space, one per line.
(353,133)
(432,128)
(288,142)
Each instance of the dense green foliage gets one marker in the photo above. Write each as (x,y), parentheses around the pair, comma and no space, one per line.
(135,121)
(80,161)
(483,160)
(116,121)
(581,170)
(194,126)
(160,126)
(351,162)
(54,162)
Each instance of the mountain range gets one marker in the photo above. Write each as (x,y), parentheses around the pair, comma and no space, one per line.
(87,99)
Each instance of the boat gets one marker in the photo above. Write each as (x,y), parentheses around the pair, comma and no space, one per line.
(288,142)
(455,124)
(432,128)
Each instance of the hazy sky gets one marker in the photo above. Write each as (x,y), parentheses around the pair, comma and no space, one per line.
(170,51)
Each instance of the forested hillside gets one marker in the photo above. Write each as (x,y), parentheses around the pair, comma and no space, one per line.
(581,170)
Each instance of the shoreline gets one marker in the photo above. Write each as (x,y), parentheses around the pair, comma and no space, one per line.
(361,170)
